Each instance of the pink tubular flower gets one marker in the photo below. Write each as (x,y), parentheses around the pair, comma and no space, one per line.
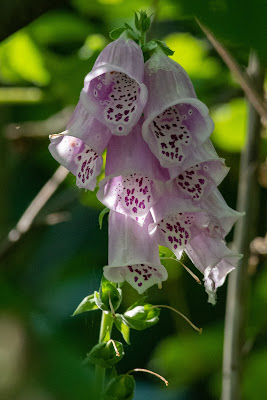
(214,259)
(80,147)
(113,91)
(133,255)
(134,178)
(176,122)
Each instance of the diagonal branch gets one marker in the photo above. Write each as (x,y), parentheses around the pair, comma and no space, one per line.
(242,78)
(25,222)
(245,231)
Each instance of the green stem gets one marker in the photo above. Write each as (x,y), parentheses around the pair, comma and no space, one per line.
(104,336)
(143,38)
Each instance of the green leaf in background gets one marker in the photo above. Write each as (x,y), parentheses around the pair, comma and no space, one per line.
(230,125)
(88,304)
(123,327)
(57,27)
(192,54)
(105,355)
(120,388)
(188,357)
(21,60)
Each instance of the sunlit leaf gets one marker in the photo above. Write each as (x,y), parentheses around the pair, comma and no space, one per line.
(21,58)
(230,125)
(192,55)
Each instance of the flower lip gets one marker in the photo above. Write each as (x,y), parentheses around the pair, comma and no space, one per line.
(201,107)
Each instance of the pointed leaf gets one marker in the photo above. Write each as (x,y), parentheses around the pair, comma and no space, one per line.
(88,304)
(101,216)
(123,327)
(116,33)
(164,47)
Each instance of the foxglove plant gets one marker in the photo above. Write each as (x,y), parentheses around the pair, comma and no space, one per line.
(160,184)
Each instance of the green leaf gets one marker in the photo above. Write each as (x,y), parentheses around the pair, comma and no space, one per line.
(137,22)
(164,47)
(116,33)
(99,302)
(109,293)
(141,317)
(120,388)
(101,216)
(149,46)
(88,304)
(13,53)
(123,327)
(230,125)
(105,355)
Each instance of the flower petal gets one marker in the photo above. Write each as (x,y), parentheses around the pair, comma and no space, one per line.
(214,259)
(134,178)
(222,217)
(78,158)
(175,120)
(133,255)
(113,91)
(87,128)
(200,180)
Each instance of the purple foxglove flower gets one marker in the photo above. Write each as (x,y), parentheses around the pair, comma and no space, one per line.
(81,157)
(214,259)
(113,91)
(176,230)
(133,255)
(200,180)
(222,217)
(176,122)
(134,178)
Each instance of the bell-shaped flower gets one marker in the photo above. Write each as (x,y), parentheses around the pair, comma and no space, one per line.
(176,122)
(222,217)
(214,259)
(176,222)
(80,147)
(133,254)
(134,181)
(198,181)
(114,91)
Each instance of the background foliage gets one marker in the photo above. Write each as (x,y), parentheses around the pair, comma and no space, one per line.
(59,261)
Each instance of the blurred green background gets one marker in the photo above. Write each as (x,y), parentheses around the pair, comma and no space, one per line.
(44,55)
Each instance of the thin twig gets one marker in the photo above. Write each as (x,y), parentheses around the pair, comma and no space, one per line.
(245,231)
(149,372)
(25,222)
(242,78)
(181,315)
(185,267)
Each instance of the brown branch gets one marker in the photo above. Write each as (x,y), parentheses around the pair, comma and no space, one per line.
(245,231)
(26,221)
(38,129)
(242,78)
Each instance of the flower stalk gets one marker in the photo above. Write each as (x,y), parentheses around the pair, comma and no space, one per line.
(104,336)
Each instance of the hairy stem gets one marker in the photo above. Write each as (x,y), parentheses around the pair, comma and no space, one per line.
(245,231)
